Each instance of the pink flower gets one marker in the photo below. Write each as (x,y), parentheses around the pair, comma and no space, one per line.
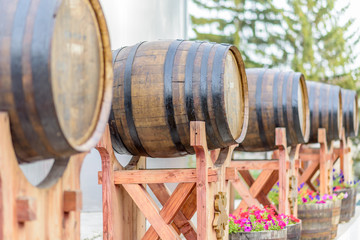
(304,200)
(346,195)
(282,224)
(266,227)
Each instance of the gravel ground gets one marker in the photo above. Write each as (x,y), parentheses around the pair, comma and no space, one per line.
(91,226)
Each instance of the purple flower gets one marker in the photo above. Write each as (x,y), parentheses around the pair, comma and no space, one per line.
(317,197)
(247,229)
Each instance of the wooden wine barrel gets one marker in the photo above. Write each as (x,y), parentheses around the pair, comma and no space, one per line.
(294,231)
(276,99)
(55,75)
(316,220)
(347,204)
(335,218)
(325,105)
(262,235)
(159,87)
(350,112)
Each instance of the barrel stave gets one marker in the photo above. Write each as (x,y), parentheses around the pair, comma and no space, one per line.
(325,102)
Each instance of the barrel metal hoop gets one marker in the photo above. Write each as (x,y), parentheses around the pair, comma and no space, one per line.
(42,86)
(351,115)
(115,53)
(203,95)
(346,114)
(320,108)
(312,92)
(16,48)
(275,99)
(128,101)
(189,68)
(258,105)
(117,143)
(168,95)
(295,107)
(217,89)
(284,104)
(333,123)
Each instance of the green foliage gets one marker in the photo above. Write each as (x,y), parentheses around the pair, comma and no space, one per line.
(248,24)
(305,35)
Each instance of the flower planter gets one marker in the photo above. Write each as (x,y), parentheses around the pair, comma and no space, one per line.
(294,231)
(316,220)
(335,218)
(347,204)
(271,235)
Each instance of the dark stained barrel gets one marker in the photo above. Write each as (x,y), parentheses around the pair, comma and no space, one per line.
(335,218)
(294,231)
(276,99)
(350,112)
(159,87)
(55,75)
(316,220)
(348,204)
(325,105)
(262,235)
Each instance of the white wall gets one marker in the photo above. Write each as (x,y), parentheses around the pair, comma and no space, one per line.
(132,21)
(129,22)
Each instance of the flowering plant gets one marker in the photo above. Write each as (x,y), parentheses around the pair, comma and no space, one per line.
(256,219)
(339,181)
(306,196)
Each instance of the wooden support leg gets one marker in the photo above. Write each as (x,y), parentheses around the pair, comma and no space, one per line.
(283,174)
(121,217)
(324,178)
(198,141)
(34,213)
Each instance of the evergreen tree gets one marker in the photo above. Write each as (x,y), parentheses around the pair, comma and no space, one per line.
(251,25)
(305,35)
(318,44)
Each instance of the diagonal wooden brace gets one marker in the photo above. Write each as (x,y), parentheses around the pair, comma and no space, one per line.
(172,207)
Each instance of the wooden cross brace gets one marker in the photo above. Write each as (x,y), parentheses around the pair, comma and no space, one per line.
(320,159)
(283,169)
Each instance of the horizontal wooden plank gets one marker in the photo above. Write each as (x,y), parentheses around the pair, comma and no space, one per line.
(309,150)
(158,176)
(255,164)
(309,157)
(231,173)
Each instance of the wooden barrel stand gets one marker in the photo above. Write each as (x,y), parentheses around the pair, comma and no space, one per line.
(203,189)
(282,169)
(321,160)
(33,213)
